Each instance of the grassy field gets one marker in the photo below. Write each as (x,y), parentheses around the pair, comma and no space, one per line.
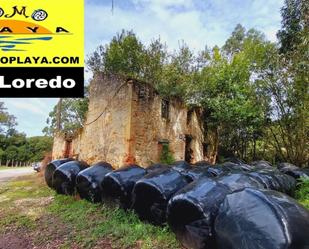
(4,167)
(48,220)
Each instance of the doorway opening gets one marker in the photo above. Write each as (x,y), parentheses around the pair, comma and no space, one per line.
(188,150)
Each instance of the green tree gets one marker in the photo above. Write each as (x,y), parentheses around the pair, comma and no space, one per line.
(226,89)
(7,121)
(234,43)
(124,55)
(295,17)
(287,84)
(72,112)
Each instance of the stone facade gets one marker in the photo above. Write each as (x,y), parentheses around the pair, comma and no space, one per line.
(128,122)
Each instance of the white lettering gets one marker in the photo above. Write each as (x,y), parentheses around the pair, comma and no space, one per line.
(69,83)
(2,84)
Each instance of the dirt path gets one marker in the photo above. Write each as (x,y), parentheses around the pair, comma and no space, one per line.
(8,174)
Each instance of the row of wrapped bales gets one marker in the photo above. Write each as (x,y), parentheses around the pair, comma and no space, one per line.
(200,201)
(191,199)
(199,216)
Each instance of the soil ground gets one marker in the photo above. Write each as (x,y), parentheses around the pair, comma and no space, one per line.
(32,216)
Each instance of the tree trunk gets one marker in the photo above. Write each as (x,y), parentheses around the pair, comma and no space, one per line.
(213,145)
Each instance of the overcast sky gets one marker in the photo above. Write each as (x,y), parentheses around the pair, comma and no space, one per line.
(197,22)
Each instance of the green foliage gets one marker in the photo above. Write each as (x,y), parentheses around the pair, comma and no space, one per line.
(234,44)
(287,85)
(126,55)
(18,148)
(294,20)
(73,114)
(109,221)
(166,156)
(7,121)
(302,194)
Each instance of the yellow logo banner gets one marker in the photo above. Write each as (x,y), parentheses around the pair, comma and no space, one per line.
(36,33)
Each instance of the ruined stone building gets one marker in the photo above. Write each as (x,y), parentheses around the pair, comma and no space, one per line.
(128,122)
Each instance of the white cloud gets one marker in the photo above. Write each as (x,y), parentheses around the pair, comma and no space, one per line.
(198,23)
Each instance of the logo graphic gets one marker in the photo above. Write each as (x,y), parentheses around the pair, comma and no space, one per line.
(39,15)
(44,40)
(17,27)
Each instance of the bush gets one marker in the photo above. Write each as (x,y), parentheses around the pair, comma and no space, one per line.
(302,194)
(166,156)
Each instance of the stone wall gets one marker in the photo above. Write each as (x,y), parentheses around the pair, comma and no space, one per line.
(59,146)
(151,129)
(124,125)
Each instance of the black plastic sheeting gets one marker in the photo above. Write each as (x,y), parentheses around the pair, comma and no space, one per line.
(275,180)
(286,165)
(216,170)
(88,181)
(294,171)
(262,164)
(152,193)
(230,166)
(155,167)
(192,211)
(181,166)
(118,185)
(50,169)
(64,178)
(262,219)
(202,163)
(197,172)
(234,160)
(237,181)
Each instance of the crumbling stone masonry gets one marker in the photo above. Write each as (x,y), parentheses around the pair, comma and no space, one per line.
(128,122)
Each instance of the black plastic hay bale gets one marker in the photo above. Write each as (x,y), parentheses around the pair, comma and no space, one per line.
(234,167)
(226,168)
(192,211)
(154,167)
(292,170)
(234,160)
(64,178)
(50,169)
(202,163)
(262,164)
(197,172)
(118,185)
(263,219)
(152,193)
(287,166)
(273,179)
(237,181)
(88,181)
(181,166)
